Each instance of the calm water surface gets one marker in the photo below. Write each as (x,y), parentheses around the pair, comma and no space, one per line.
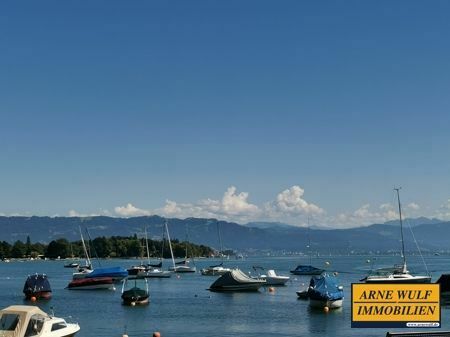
(182,306)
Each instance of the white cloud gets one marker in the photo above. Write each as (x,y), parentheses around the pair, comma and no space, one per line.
(413,206)
(443,212)
(129,211)
(291,201)
(233,206)
(364,216)
(74,213)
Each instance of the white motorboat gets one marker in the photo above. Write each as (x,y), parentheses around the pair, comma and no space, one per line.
(272,279)
(155,273)
(214,270)
(25,320)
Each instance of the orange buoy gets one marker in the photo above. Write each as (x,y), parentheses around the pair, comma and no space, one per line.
(156,334)
(271,289)
(33,299)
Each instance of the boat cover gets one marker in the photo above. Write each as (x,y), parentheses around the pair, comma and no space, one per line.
(108,272)
(157,265)
(234,277)
(36,283)
(325,287)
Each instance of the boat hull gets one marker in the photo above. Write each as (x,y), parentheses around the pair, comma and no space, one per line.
(331,304)
(242,287)
(105,283)
(399,280)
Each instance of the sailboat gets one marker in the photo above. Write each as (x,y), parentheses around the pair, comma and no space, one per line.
(101,273)
(153,270)
(182,266)
(307,269)
(218,269)
(397,275)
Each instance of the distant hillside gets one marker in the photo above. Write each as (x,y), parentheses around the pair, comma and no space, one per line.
(380,237)
(415,222)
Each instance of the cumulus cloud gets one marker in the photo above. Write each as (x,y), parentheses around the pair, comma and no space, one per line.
(233,206)
(129,211)
(291,201)
(364,216)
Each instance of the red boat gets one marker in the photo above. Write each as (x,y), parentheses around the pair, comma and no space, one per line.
(91,283)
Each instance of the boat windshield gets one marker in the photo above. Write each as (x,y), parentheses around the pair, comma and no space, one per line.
(34,326)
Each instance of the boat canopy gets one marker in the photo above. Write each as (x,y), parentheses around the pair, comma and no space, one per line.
(325,287)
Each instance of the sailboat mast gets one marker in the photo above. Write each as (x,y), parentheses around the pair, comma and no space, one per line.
(146,244)
(220,241)
(88,260)
(401,228)
(170,245)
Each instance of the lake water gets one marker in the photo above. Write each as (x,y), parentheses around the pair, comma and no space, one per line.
(184,307)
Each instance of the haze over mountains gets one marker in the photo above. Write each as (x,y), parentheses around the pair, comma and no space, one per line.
(431,234)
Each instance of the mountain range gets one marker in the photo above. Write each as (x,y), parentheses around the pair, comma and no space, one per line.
(431,234)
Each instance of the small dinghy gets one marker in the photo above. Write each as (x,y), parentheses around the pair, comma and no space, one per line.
(236,280)
(324,291)
(25,320)
(37,286)
(135,291)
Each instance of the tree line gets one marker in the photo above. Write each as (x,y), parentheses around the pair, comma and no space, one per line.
(102,247)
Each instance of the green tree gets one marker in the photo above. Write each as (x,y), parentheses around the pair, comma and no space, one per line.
(18,249)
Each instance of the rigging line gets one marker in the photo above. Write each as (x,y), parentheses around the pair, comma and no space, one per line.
(417,245)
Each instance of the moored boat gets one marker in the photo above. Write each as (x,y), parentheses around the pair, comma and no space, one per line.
(37,286)
(135,291)
(325,291)
(236,280)
(215,270)
(307,270)
(24,321)
(396,274)
(272,279)
(91,283)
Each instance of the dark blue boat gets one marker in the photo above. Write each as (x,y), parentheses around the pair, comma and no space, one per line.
(325,291)
(306,270)
(37,286)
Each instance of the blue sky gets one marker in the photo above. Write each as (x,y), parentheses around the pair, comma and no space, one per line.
(110,103)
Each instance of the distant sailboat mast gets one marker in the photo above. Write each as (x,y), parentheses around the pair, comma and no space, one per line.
(401,229)
(146,244)
(170,245)
(88,260)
